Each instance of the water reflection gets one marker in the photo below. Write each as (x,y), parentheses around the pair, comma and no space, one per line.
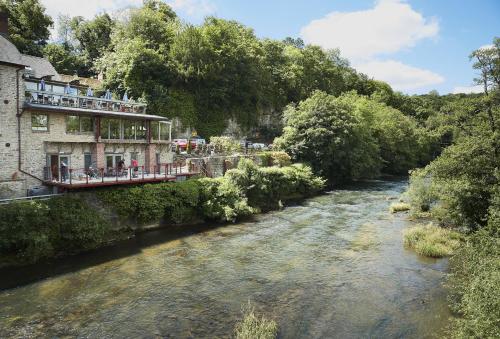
(333,267)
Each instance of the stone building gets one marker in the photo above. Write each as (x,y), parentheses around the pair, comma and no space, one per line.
(55,135)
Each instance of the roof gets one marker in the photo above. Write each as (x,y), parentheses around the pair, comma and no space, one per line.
(40,67)
(90,82)
(73,110)
(9,53)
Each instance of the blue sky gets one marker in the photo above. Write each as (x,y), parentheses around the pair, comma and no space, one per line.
(415,45)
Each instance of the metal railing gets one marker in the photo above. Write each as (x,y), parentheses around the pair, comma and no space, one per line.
(83,102)
(34,197)
(93,175)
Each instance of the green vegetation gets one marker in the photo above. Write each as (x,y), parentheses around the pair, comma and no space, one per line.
(63,225)
(461,189)
(267,187)
(40,229)
(432,241)
(253,327)
(352,137)
(399,207)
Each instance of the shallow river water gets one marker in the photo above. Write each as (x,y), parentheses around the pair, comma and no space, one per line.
(332,267)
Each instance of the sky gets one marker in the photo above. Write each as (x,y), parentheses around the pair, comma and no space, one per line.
(414,45)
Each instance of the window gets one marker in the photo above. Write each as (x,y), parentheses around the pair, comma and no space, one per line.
(72,124)
(79,124)
(134,130)
(110,128)
(164,131)
(140,130)
(114,129)
(128,129)
(39,122)
(159,130)
(155,130)
(86,124)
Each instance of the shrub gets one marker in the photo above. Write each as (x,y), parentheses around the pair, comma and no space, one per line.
(253,327)
(221,200)
(33,230)
(281,159)
(175,203)
(432,241)
(266,187)
(399,207)
(225,144)
(474,286)
(419,192)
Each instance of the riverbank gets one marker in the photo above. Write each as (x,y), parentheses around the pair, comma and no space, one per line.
(38,230)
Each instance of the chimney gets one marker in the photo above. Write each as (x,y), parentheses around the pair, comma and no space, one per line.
(4,24)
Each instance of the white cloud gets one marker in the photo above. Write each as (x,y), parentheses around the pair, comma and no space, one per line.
(366,35)
(468,89)
(400,76)
(390,26)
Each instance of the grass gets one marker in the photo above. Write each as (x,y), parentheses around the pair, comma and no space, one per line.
(432,241)
(253,327)
(399,207)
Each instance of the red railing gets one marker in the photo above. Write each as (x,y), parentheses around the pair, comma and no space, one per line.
(93,175)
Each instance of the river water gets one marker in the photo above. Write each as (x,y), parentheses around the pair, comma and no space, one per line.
(331,267)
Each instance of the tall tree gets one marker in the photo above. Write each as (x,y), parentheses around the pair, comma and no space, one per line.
(28,25)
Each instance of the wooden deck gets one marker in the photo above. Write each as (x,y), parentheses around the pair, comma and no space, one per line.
(114,181)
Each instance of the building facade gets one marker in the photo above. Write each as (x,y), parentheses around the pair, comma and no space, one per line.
(54,136)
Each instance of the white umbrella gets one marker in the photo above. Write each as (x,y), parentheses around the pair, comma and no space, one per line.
(67,89)
(42,85)
(90,93)
(108,94)
(125,97)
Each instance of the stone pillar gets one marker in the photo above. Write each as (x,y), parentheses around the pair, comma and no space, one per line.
(150,157)
(97,151)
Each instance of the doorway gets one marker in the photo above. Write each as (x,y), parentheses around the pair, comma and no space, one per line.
(58,167)
(112,161)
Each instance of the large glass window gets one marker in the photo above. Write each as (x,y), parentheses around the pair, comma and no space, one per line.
(87,124)
(39,122)
(128,129)
(140,128)
(72,124)
(114,129)
(155,130)
(79,124)
(164,131)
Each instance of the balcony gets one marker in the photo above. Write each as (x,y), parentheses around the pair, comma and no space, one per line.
(76,178)
(79,102)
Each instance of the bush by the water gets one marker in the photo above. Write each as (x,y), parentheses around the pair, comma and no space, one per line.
(399,207)
(33,230)
(253,327)
(475,280)
(221,199)
(267,187)
(432,241)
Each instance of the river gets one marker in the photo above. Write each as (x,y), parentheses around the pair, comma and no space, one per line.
(331,267)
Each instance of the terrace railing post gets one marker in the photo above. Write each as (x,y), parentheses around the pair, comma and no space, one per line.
(154,171)
(87,175)
(70,175)
(116,173)
(102,174)
(130,173)
(166,170)
(142,172)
